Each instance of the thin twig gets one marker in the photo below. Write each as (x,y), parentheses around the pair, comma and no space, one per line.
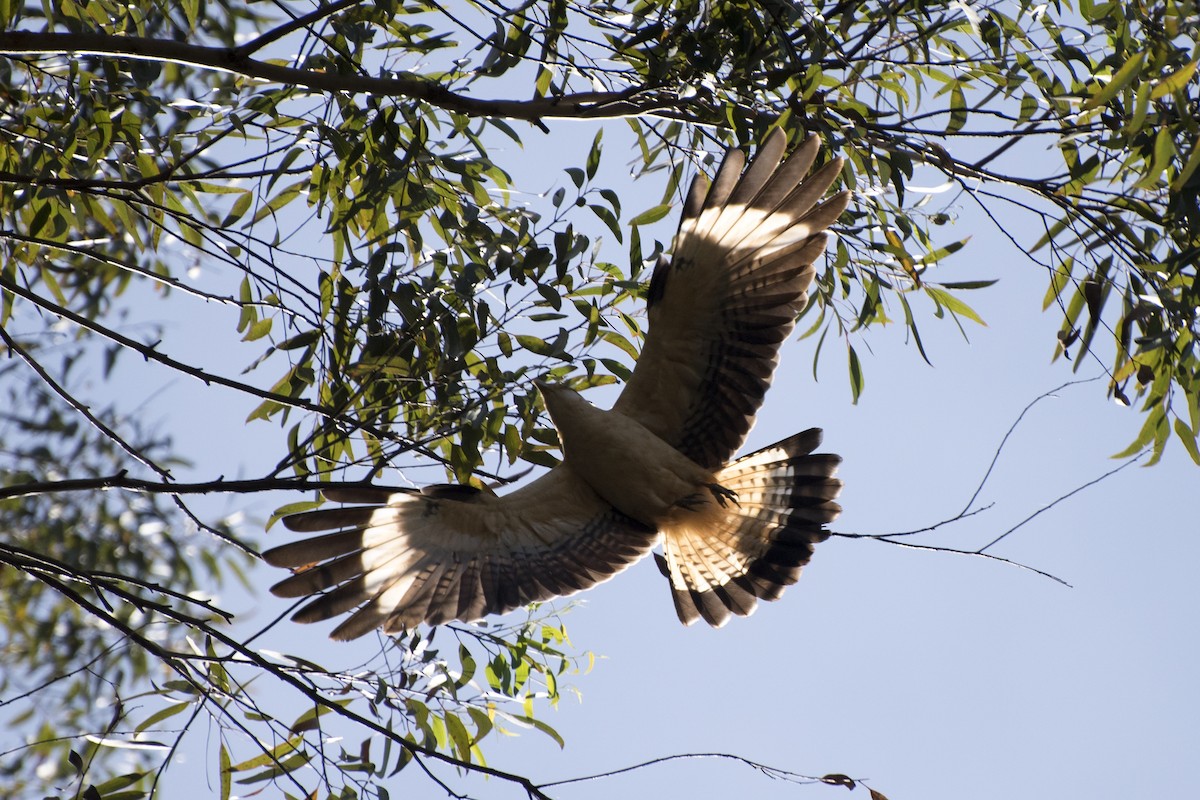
(1071,493)
(79,407)
(773,772)
(996,456)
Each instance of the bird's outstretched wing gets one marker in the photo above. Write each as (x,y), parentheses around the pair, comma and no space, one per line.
(728,297)
(447,553)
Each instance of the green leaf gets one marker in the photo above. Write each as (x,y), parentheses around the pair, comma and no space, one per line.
(285,196)
(225,771)
(1189,168)
(577,176)
(934,256)
(483,723)
(271,756)
(856,374)
(310,720)
(542,84)
(239,208)
(1175,81)
(1119,81)
(1059,279)
(953,304)
(160,715)
(619,341)
(258,330)
(459,736)
(968,285)
(651,215)
(1155,420)
(543,727)
(958,109)
(593,157)
(911,323)
(1188,437)
(611,221)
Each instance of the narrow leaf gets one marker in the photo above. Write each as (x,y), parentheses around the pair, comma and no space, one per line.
(1119,81)
(651,215)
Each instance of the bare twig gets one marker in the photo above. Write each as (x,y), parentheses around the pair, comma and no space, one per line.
(967,511)
(79,406)
(1000,449)
(772,772)
(1073,492)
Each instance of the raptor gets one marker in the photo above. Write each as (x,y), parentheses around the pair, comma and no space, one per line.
(658,469)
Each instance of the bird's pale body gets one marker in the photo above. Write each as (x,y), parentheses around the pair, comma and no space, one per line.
(625,463)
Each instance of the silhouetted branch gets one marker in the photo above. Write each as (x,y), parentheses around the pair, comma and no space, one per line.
(121,480)
(583,105)
(1063,497)
(78,406)
(1000,449)
(967,511)
(769,771)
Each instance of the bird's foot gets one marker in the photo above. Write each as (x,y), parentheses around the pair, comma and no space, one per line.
(723,496)
(718,492)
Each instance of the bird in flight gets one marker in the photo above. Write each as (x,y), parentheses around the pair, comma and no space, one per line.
(655,469)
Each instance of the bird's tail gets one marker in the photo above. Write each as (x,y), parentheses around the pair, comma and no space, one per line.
(721,560)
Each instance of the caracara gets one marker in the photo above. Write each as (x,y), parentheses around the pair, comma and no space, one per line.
(655,469)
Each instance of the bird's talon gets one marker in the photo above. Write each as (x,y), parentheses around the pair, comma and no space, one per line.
(723,496)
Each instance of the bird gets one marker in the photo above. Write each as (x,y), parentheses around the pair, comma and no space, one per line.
(657,470)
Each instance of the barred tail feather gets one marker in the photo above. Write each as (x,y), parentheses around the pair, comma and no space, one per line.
(722,561)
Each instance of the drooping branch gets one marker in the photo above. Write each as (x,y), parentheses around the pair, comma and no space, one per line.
(772,772)
(92,591)
(636,100)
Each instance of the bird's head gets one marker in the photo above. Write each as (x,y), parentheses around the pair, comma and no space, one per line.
(562,402)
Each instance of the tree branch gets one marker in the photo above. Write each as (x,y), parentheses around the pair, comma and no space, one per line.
(580,105)
(151,353)
(57,575)
(304,21)
(121,480)
(769,771)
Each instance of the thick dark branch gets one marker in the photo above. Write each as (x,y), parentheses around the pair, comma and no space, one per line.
(233,60)
(121,480)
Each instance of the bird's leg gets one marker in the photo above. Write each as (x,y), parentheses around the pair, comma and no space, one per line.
(722,495)
(719,493)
